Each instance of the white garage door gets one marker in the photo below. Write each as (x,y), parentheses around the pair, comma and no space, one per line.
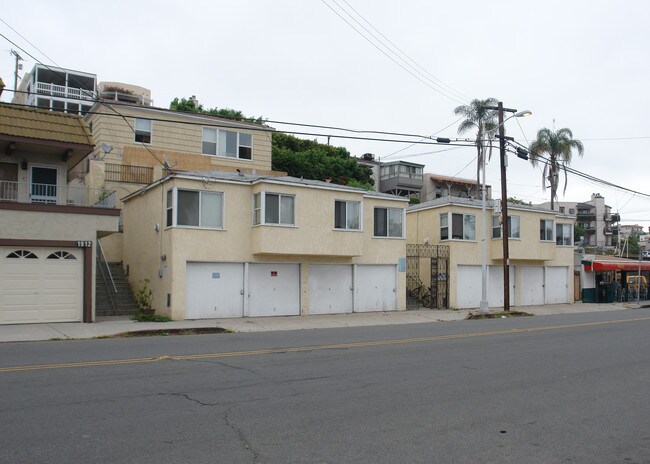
(214,290)
(375,288)
(40,285)
(495,286)
(532,285)
(557,285)
(274,290)
(468,286)
(330,288)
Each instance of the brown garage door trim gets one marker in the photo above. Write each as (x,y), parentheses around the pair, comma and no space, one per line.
(87,266)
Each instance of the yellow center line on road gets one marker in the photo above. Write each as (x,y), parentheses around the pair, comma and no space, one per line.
(229,354)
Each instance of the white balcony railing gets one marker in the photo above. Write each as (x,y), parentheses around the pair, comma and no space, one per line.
(43,88)
(23,192)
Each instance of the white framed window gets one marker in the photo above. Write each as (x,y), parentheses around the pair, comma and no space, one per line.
(546,230)
(231,144)
(389,222)
(513,227)
(194,208)
(563,235)
(273,209)
(444,226)
(143,130)
(463,226)
(347,215)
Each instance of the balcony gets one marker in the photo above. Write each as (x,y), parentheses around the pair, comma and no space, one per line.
(44,88)
(51,194)
(128,174)
(403,184)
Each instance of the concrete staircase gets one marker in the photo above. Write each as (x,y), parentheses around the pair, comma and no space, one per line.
(124,298)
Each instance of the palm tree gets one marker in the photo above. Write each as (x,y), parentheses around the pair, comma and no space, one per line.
(558,146)
(484,121)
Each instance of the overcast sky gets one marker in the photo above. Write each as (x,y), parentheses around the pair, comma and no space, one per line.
(577,64)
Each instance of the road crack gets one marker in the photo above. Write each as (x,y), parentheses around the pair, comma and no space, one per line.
(242,437)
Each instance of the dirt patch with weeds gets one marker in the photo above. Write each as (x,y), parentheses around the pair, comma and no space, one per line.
(499,315)
(170,332)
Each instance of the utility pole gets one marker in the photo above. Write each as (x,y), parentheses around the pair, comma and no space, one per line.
(17,68)
(521,153)
(504,209)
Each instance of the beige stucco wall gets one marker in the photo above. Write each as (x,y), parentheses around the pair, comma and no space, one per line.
(312,240)
(54,226)
(173,137)
(528,250)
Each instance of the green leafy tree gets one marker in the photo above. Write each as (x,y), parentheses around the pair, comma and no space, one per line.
(312,160)
(554,149)
(517,201)
(483,121)
(578,232)
(190,105)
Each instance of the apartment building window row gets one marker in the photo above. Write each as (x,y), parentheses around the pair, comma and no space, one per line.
(193,208)
(463,226)
(231,144)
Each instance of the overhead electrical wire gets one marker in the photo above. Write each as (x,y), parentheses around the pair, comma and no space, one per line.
(425,140)
(584,175)
(95,100)
(424,70)
(432,86)
(435,133)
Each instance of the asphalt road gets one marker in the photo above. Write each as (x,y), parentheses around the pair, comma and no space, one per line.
(551,389)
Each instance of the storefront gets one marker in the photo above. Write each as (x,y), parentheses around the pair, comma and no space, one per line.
(606,279)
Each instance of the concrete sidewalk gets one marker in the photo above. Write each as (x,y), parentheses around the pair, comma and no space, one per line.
(116,325)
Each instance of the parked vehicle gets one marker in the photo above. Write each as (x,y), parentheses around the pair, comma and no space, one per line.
(633,281)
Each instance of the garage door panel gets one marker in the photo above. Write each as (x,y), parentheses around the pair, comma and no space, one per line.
(556,285)
(274,290)
(468,286)
(330,289)
(495,285)
(532,285)
(375,288)
(214,290)
(42,288)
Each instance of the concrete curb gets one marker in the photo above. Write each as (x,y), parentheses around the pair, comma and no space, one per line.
(105,327)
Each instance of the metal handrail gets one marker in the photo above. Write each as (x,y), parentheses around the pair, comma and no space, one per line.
(101,260)
(52,194)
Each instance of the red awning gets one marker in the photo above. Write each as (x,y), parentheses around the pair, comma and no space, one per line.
(616,265)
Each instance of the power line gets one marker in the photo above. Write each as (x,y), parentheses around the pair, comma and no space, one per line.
(452,93)
(584,175)
(95,100)
(451,89)
(435,133)
(25,39)
(439,90)
(421,141)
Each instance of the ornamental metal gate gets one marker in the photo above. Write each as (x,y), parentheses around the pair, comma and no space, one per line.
(427,276)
